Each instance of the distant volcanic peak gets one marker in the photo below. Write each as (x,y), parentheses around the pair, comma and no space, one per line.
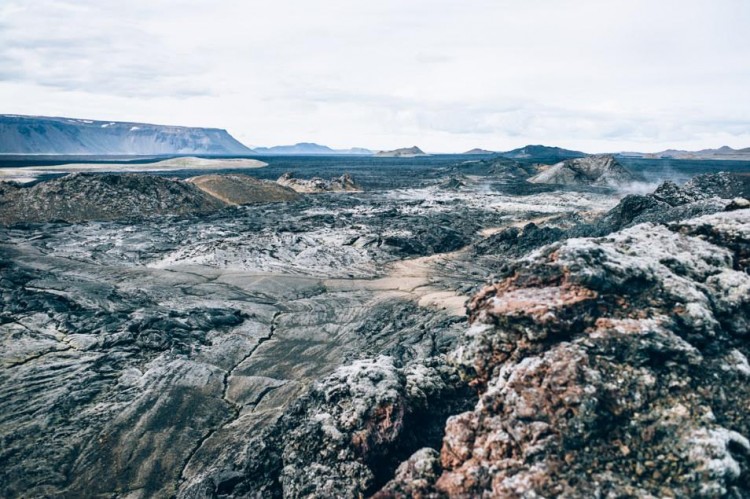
(412,150)
(477,150)
(598,170)
(69,136)
(404,152)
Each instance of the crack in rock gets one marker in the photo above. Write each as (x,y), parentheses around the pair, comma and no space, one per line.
(236,408)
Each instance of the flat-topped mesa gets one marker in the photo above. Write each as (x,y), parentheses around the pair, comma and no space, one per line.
(404,152)
(67,136)
(344,183)
(598,170)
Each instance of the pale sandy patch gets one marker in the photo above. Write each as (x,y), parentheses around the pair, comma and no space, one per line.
(31,173)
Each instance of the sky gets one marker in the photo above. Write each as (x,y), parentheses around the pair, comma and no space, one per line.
(448,76)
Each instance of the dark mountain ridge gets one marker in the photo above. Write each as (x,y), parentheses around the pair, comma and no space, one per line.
(543,153)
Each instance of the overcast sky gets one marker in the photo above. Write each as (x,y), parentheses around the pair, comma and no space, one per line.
(445,75)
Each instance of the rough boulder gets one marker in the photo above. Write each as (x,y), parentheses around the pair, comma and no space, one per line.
(606,367)
(599,170)
(345,183)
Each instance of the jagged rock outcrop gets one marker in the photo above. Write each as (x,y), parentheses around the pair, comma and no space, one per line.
(346,436)
(453,183)
(344,183)
(702,195)
(598,170)
(510,170)
(238,189)
(606,367)
(68,136)
(515,242)
(722,185)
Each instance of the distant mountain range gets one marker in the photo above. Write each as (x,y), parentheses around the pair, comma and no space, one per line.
(309,148)
(21,135)
(68,136)
(724,152)
(40,135)
(547,154)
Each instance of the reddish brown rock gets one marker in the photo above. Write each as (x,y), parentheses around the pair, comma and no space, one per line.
(609,367)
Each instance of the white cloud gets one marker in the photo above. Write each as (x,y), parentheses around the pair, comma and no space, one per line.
(446,75)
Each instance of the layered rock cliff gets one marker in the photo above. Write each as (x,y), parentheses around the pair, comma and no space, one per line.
(67,136)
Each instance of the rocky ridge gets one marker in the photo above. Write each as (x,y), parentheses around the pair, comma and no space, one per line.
(345,183)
